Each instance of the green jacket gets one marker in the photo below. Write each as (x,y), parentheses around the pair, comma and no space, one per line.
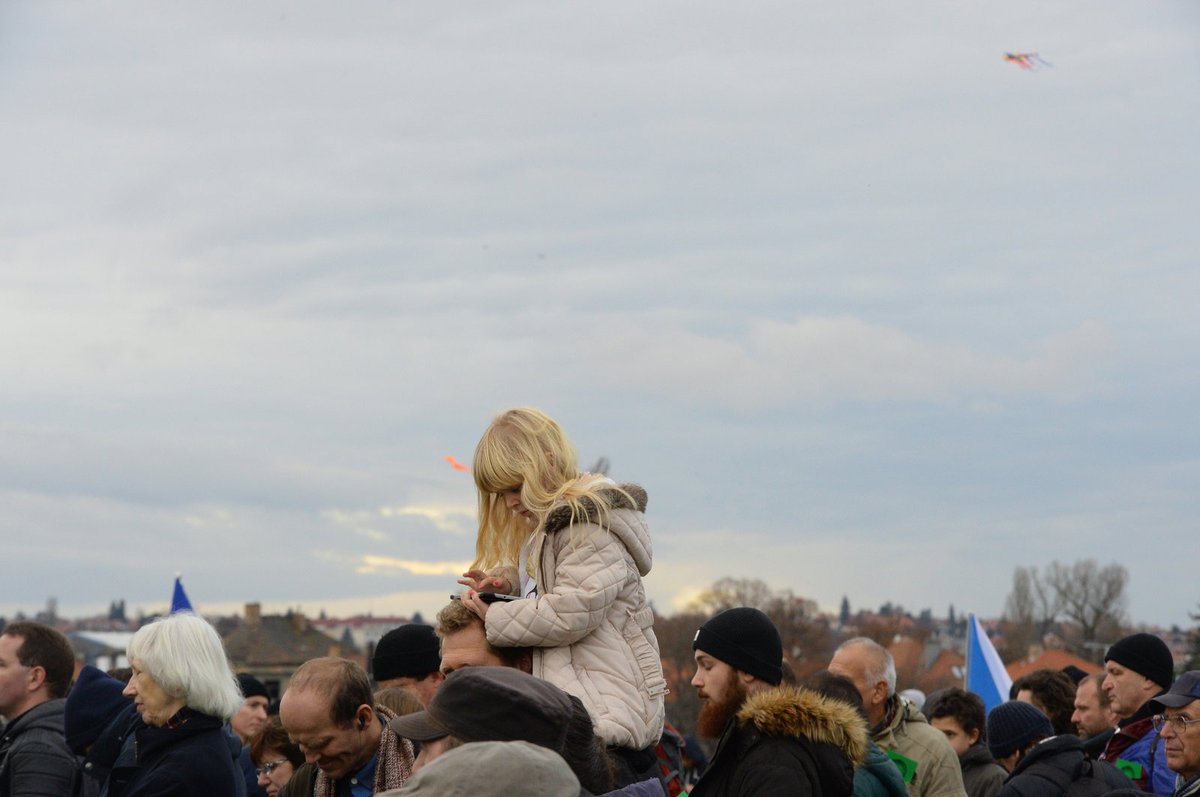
(878,776)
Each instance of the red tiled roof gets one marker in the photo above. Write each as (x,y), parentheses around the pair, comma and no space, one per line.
(1052,659)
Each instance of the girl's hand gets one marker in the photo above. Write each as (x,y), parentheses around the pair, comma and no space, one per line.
(470,599)
(482,582)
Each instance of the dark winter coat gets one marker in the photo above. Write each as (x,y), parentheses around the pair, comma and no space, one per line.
(192,760)
(34,757)
(114,748)
(250,773)
(982,776)
(1188,788)
(787,742)
(1050,768)
(1093,746)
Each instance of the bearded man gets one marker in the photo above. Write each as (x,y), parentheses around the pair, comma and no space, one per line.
(774,740)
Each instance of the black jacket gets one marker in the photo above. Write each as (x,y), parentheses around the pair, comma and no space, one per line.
(34,757)
(113,749)
(1094,746)
(1057,765)
(192,760)
(787,742)
(982,776)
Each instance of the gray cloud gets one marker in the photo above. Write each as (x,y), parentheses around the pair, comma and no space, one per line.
(834,283)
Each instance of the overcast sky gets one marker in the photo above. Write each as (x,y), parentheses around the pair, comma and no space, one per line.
(867,310)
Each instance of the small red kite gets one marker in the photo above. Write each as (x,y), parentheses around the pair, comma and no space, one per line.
(1029,61)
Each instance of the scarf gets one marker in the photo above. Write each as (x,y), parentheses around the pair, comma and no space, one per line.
(392,770)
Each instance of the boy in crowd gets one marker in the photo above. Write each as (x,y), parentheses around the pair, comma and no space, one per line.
(960,715)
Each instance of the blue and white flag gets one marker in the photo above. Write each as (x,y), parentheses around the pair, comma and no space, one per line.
(986,675)
(179,600)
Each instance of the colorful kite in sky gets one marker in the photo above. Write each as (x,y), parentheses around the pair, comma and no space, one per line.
(454,463)
(1030,61)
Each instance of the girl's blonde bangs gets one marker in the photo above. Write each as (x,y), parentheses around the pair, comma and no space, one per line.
(495,470)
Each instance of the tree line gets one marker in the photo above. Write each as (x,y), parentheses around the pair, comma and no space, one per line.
(1081,607)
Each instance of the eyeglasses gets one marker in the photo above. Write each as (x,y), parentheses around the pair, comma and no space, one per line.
(269,767)
(1179,723)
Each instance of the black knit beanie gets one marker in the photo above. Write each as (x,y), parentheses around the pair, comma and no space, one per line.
(410,650)
(746,640)
(252,687)
(93,702)
(1145,654)
(1013,725)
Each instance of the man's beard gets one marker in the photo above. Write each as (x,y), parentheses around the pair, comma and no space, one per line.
(714,715)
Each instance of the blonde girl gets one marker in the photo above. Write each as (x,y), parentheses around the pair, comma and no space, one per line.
(575,546)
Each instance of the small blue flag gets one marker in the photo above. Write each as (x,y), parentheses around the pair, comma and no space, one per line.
(986,675)
(179,600)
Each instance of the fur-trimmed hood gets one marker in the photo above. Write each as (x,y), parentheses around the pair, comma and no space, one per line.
(797,712)
(559,517)
(626,522)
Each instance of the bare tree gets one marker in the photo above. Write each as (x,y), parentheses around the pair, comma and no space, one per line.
(1032,602)
(730,592)
(1090,595)
(1084,593)
(1019,607)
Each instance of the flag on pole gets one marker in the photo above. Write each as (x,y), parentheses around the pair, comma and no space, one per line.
(179,600)
(986,675)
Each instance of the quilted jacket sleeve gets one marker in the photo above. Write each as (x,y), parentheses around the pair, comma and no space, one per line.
(592,566)
(40,769)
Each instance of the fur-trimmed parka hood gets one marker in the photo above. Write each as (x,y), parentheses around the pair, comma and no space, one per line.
(559,517)
(626,522)
(797,712)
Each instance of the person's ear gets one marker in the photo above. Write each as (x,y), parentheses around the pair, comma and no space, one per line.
(973,737)
(37,677)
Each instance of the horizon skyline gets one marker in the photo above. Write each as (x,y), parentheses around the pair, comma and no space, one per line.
(352,607)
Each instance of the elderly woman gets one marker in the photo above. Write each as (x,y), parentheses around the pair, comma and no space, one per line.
(184,690)
(276,757)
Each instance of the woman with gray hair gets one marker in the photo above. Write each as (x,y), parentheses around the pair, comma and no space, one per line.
(185,692)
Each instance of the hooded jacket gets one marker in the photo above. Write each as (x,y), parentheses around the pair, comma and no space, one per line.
(877,776)
(787,742)
(591,625)
(34,757)
(1056,764)
(936,772)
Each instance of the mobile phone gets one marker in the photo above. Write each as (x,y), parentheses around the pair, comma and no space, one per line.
(492,597)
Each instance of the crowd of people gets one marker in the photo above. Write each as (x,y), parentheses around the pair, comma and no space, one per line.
(543,677)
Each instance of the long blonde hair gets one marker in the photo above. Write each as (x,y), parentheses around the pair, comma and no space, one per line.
(524,447)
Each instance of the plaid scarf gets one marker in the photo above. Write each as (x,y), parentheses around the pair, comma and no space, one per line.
(392,770)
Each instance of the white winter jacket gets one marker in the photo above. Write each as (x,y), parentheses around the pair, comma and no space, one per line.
(591,625)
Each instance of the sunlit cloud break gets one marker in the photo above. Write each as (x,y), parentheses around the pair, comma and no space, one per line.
(386,564)
(446,518)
